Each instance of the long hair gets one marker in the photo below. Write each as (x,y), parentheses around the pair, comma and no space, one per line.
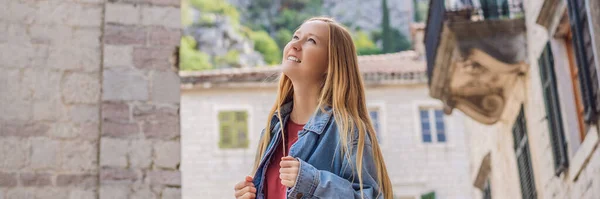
(343,90)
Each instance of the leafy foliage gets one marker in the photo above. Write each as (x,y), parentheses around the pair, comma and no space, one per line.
(217,7)
(282,37)
(364,44)
(264,44)
(190,58)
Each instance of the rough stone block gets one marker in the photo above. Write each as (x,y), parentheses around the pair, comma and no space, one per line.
(143,194)
(20,193)
(49,34)
(81,88)
(80,156)
(84,131)
(45,84)
(114,192)
(169,178)
(164,36)
(85,15)
(8,179)
(147,112)
(111,175)
(45,153)
(164,130)
(175,3)
(168,154)
(23,129)
(82,194)
(120,130)
(14,153)
(51,193)
(20,11)
(140,154)
(124,85)
(128,14)
(161,16)
(113,152)
(84,113)
(35,179)
(165,87)
(86,37)
(116,111)
(152,58)
(86,180)
(74,58)
(171,193)
(124,35)
(49,110)
(118,56)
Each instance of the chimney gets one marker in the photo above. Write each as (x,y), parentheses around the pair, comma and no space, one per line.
(417,34)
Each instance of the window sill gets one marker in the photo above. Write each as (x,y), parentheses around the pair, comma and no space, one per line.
(583,154)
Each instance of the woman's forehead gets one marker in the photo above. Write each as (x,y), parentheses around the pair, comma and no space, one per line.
(318,28)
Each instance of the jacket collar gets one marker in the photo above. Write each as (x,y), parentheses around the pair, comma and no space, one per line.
(317,122)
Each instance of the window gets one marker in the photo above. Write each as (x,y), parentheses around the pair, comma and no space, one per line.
(521,146)
(233,129)
(584,56)
(433,128)
(553,110)
(375,118)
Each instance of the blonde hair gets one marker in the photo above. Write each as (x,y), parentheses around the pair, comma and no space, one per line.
(343,90)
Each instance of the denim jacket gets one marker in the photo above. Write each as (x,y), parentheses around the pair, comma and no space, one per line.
(324,172)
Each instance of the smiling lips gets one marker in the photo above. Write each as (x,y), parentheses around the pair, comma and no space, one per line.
(293,58)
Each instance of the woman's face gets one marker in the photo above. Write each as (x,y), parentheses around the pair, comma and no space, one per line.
(305,57)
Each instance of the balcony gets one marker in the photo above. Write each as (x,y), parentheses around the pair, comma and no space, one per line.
(475,52)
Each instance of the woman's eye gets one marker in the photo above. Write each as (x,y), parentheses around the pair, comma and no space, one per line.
(295,37)
(312,40)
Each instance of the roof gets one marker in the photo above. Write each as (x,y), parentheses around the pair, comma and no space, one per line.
(400,68)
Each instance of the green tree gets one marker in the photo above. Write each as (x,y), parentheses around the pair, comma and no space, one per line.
(264,44)
(217,7)
(190,58)
(420,10)
(416,13)
(387,39)
(364,44)
(231,59)
(282,37)
(400,42)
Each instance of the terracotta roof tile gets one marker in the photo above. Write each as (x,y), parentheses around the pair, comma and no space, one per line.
(401,65)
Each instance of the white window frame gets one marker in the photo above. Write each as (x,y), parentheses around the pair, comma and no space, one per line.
(381,114)
(431,105)
(251,130)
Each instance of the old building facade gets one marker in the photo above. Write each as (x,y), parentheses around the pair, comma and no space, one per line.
(525,74)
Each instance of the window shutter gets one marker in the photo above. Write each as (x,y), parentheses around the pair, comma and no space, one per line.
(528,190)
(487,190)
(553,112)
(430,195)
(585,58)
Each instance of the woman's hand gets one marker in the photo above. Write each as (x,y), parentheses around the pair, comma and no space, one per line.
(288,171)
(245,189)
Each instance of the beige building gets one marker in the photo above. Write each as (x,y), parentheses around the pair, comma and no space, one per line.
(525,75)
(224,111)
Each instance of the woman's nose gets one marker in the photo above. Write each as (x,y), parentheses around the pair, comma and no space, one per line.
(296,45)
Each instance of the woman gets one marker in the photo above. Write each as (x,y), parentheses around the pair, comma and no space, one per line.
(320,142)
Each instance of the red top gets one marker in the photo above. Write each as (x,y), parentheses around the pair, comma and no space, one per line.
(273,187)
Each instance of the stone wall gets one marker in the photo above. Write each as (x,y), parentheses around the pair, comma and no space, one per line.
(89,99)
